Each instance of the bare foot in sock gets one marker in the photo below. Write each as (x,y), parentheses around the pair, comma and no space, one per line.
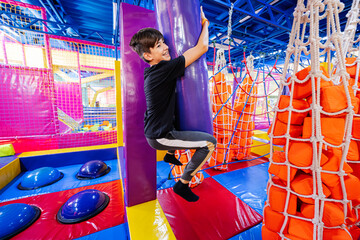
(170,158)
(184,191)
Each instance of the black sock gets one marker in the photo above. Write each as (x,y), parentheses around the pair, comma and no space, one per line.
(170,158)
(184,191)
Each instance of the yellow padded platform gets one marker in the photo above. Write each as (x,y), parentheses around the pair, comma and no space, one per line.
(9,172)
(160,155)
(260,138)
(148,221)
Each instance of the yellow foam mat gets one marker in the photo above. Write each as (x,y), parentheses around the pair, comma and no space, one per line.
(261,134)
(160,155)
(9,172)
(265,149)
(148,221)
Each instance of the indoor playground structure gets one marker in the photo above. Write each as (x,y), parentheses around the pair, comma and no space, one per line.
(278,89)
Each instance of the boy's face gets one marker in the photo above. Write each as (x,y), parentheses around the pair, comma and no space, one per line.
(158,53)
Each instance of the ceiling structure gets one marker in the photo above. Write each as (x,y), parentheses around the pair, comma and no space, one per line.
(258,26)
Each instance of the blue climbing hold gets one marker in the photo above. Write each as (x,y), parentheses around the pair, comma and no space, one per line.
(16,217)
(93,169)
(82,206)
(39,178)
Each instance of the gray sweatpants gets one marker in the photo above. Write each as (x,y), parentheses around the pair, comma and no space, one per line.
(204,144)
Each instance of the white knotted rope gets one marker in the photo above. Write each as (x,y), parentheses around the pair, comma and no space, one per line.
(306,23)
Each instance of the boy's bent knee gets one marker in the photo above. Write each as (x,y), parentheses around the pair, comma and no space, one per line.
(213,140)
(211,144)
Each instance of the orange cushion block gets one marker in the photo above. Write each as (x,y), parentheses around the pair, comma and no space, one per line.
(292,237)
(280,129)
(303,90)
(355,232)
(351,70)
(333,99)
(356,127)
(353,153)
(356,169)
(266,234)
(352,82)
(281,171)
(277,200)
(333,164)
(336,234)
(300,153)
(352,185)
(296,117)
(273,220)
(300,228)
(355,101)
(223,120)
(332,129)
(303,184)
(333,213)
(279,157)
(239,107)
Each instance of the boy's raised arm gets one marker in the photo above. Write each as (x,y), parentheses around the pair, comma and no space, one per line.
(192,54)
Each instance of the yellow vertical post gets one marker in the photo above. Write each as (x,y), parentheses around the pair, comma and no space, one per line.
(119,123)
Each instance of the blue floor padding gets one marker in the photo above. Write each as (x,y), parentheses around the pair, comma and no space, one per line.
(120,232)
(68,158)
(6,160)
(69,181)
(248,184)
(162,172)
(253,233)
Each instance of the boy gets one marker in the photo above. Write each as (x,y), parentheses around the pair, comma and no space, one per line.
(159,86)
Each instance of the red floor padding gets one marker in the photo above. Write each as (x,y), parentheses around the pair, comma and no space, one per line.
(236,166)
(218,214)
(47,227)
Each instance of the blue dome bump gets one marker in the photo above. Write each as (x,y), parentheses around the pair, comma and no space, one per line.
(82,206)
(16,217)
(93,169)
(39,178)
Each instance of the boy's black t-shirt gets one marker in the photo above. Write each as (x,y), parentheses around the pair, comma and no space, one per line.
(159,87)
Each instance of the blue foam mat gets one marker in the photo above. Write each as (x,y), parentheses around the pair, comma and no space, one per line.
(119,232)
(248,184)
(253,233)
(6,160)
(162,171)
(65,159)
(69,181)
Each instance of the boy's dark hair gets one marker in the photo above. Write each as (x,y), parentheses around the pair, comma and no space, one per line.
(145,39)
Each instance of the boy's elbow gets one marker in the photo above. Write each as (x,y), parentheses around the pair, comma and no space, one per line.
(205,48)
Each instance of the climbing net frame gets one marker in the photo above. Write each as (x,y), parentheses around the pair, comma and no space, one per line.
(287,174)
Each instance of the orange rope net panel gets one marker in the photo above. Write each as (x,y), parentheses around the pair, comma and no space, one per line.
(234,111)
(313,191)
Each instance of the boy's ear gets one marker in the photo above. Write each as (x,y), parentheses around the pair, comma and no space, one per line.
(147,56)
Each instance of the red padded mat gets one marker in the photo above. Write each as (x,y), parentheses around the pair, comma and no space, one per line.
(47,227)
(218,214)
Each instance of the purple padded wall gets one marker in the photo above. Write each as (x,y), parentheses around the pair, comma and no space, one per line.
(140,182)
(180,23)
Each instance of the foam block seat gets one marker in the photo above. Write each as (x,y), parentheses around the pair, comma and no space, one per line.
(297,118)
(332,129)
(303,90)
(280,129)
(333,213)
(333,99)
(303,184)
